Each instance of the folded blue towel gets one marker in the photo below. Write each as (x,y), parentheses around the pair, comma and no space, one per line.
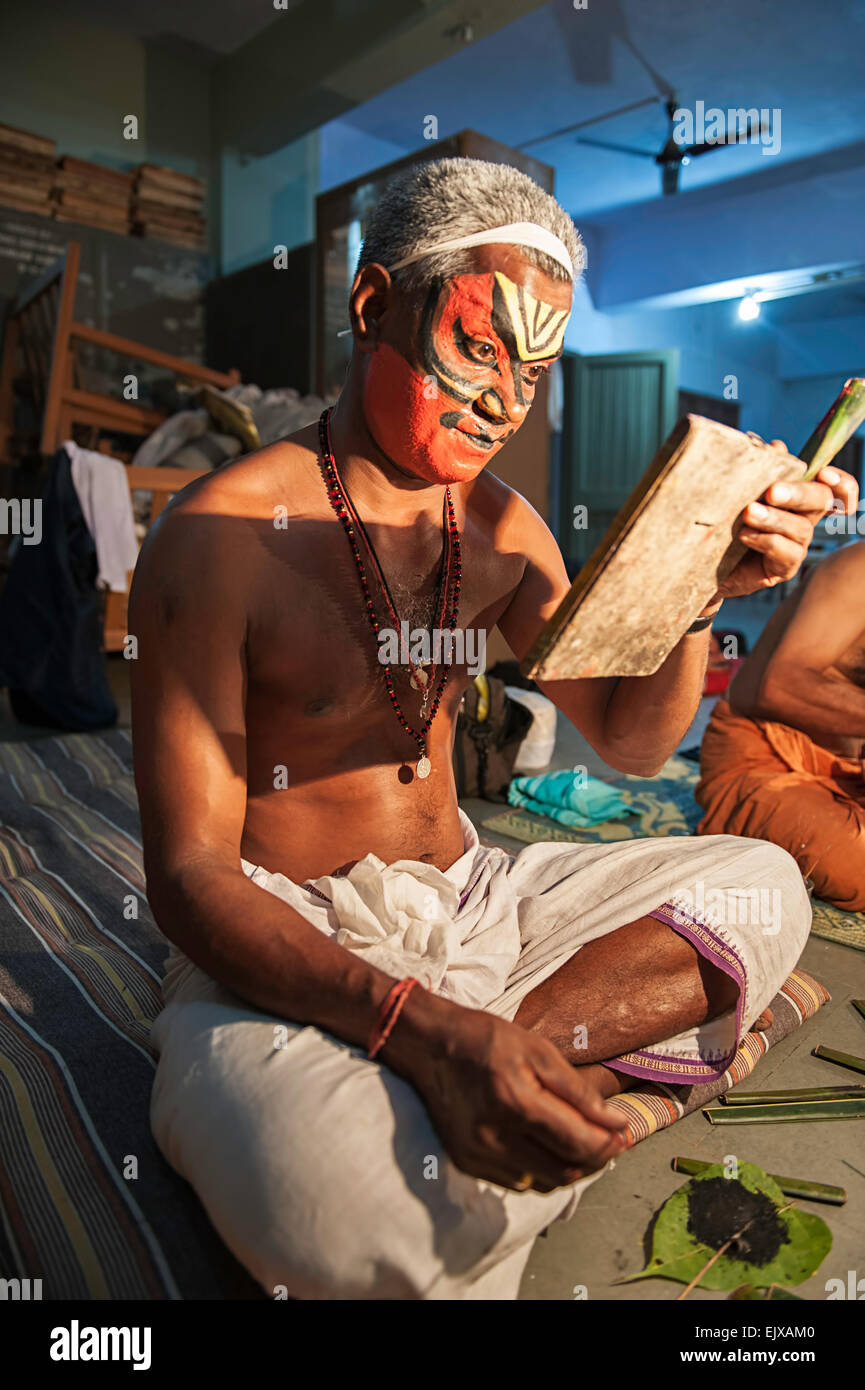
(572,798)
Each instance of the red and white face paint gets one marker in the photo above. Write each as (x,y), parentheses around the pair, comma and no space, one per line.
(484,342)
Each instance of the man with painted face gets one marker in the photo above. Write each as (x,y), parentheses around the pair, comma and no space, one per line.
(387,1051)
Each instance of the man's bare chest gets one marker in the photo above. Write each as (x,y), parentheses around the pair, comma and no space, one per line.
(312,642)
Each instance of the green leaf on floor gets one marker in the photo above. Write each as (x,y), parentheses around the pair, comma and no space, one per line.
(770,1240)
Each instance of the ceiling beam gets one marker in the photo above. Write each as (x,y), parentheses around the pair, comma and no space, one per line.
(320,58)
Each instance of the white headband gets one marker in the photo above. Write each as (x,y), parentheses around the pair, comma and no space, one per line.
(514,234)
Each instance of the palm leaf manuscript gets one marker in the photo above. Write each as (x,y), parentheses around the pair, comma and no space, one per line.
(663,556)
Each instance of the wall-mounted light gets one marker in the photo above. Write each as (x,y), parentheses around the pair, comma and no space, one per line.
(749,309)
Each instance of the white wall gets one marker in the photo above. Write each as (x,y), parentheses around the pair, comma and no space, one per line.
(714,344)
(802,403)
(787,375)
(271,201)
(267,202)
(75,82)
(346,152)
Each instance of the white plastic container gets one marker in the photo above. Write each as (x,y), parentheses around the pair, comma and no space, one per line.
(536,749)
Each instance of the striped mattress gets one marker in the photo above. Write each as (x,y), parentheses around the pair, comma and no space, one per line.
(87,1203)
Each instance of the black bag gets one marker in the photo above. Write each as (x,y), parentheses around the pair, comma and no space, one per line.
(50,624)
(490,728)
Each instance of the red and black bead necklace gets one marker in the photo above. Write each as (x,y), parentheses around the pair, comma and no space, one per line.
(345,511)
(421,679)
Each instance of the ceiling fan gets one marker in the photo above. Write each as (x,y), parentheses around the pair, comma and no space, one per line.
(672,154)
(589,52)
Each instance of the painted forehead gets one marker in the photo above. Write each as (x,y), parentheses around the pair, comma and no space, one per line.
(537,328)
(475,305)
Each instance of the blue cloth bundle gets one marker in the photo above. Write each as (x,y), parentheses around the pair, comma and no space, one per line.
(573,798)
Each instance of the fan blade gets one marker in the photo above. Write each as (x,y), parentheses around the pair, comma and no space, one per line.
(731,138)
(692,151)
(752,131)
(607,145)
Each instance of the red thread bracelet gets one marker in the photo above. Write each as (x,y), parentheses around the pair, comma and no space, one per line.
(389,1013)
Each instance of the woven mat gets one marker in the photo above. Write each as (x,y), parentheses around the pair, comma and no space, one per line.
(662,805)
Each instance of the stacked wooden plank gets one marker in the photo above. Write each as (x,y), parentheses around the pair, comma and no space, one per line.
(26,170)
(152,201)
(168,205)
(92,194)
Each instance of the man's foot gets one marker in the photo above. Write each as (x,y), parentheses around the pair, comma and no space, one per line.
(764,1022)
(608,1082)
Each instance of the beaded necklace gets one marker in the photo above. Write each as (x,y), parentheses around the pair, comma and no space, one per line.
(450,591)
(421,679)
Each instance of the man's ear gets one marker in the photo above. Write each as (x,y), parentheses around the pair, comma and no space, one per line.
(368,302)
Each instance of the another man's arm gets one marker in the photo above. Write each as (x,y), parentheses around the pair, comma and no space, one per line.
(504,1101)
(636,722)
(801,685)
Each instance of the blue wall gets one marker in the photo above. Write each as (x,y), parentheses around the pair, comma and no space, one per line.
(267,202)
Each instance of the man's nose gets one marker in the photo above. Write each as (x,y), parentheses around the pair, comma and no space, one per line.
(503,407)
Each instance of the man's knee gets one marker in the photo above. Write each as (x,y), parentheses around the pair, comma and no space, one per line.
(320,1170)
(784,898)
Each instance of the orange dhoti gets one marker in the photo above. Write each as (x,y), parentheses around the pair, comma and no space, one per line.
(770,782)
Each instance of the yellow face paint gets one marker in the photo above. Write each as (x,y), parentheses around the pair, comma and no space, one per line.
(538,329)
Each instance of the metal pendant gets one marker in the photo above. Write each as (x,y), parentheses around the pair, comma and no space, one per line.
(424,767)
(419,679)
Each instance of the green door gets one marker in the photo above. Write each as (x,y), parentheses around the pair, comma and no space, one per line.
(617,410)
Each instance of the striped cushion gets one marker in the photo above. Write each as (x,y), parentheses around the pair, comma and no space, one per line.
(87,1203)
(653,1106)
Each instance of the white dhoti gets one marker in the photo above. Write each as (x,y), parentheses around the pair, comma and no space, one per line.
(320,1169)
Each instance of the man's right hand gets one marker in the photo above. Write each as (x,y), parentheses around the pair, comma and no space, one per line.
(503,1101)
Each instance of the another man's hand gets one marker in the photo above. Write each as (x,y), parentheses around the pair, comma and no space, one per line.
(507,1106)
(778,529)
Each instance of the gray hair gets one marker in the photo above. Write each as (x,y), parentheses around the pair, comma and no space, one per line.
(453,198)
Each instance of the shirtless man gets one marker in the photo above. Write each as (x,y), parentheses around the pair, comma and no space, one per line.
(270,756)
(782,758)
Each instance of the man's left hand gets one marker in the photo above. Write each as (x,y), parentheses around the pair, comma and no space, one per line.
(777,530)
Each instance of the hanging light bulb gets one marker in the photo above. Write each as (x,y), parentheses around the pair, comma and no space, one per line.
(748,308)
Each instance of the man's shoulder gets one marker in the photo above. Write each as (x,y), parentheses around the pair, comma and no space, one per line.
(252,486)
(849,560)
(843,569)
(495,504)
(218,530)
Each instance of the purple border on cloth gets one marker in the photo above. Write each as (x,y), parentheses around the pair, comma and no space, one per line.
(660,1066)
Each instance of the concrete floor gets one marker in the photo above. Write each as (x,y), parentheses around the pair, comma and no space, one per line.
(604,1241)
